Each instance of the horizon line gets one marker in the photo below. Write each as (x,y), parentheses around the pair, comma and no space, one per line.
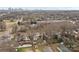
(41,8)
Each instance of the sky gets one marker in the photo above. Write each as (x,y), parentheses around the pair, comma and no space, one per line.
(42,4)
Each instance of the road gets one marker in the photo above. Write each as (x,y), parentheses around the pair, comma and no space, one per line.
(62,48)
(47,49)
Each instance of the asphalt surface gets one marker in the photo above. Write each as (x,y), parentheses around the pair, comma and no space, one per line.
(47,49)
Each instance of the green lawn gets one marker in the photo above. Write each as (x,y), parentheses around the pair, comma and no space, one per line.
(24,49)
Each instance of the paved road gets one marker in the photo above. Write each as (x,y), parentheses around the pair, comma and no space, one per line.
(47,49)
(62,48)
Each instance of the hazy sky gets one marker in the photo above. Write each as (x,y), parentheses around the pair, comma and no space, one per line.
(62,4)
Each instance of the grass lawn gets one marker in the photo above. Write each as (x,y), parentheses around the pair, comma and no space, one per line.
(24,49)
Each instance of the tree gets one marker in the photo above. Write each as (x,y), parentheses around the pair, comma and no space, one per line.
(2,26)
(14,28)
